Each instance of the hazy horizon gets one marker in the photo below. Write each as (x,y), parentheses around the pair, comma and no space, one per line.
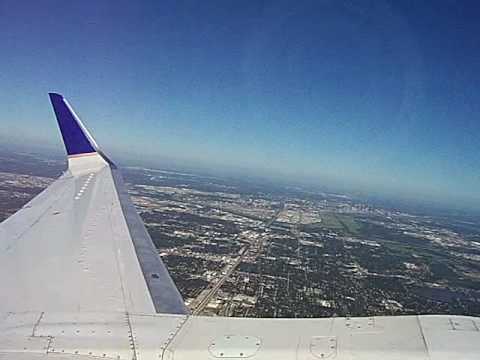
(415,205)
(378,98)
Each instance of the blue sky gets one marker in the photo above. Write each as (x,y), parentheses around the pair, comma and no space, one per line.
(376,96)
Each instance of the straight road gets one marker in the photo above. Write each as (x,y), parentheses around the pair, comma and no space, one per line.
(206,296)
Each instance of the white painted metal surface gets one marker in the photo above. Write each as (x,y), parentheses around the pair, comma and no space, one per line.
(153,333)
(16,332)
(94,334)
(177,337)
(234,346)
(70,250)
(390,338)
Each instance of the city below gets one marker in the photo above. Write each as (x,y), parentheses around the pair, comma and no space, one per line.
(250,249)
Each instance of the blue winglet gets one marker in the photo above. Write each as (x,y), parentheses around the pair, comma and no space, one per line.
(75,137)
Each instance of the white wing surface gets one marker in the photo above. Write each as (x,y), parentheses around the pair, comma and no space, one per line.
(80,245)
(80,279)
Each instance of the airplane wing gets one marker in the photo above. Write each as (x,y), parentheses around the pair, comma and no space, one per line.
(80,245)
(81,279)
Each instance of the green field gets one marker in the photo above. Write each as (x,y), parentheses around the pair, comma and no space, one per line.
(340,223)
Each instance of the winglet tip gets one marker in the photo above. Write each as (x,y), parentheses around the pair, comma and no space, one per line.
(55,95)
(75,137)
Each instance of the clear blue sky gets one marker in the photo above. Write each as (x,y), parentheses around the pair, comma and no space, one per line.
(379,96)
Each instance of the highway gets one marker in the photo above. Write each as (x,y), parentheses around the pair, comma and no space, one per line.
(205,296)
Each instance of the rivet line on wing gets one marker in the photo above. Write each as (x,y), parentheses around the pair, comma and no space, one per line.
(84,186)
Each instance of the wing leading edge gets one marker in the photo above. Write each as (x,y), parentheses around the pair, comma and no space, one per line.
(80,245)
